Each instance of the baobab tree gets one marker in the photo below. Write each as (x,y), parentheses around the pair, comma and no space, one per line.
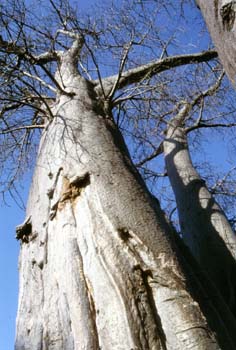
(220,19)
(100,266)
(204,226)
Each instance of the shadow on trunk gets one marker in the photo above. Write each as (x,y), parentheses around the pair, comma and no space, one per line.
(202,237)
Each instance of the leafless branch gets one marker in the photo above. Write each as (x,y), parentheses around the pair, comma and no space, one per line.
(25,127)
(157,152)
(155,67)
(23,53)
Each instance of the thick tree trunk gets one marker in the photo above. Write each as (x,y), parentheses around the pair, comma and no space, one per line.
(98,268)
(204,227)
(220,18)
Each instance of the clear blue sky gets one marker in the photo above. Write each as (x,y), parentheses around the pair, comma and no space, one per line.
(10,216)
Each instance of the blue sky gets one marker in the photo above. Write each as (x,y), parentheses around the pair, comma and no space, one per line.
(10,216)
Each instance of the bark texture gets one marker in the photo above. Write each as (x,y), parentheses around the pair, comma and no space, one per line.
(204,227)
(220,18)
(98,266)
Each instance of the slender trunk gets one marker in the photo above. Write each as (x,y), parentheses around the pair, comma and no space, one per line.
(220,18)
(98,266)
(204,227)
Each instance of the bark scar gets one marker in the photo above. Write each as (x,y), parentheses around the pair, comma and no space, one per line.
(71,190)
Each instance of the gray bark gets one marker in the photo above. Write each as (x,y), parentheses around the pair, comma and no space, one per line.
(204,227)
(98,265)
(220,18)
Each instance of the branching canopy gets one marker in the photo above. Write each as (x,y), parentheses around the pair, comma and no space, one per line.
(141,71)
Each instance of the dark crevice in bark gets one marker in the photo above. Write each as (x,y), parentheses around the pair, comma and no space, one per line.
(124,234)
(144,298)
(149,333)
(92,312)
(80,181)
(91,305)
(24,232)
(146,276)
(227,13)
(216,8)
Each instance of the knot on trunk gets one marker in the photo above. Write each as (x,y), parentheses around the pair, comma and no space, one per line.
(124,234)
(24,231)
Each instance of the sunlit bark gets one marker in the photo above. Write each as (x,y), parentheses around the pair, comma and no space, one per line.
(204,226)
(220,18)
